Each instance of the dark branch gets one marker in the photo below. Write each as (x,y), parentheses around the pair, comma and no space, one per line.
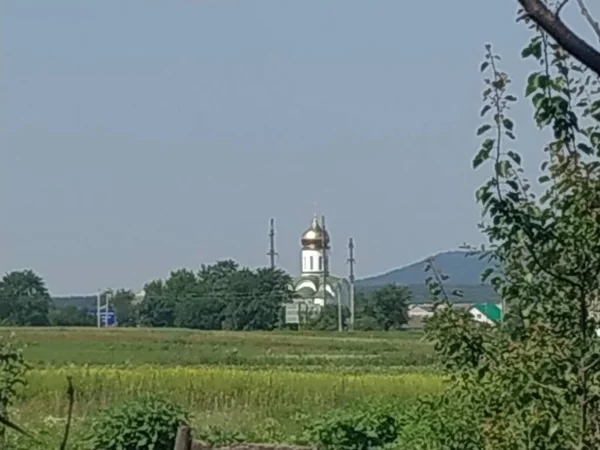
(549,22)
(561,6)
(586,13)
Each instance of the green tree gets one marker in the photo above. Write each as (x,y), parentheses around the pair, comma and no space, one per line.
(202,312)
(71,316)
(24,299)
(156,309)
(532,382)
(327,319)
(265,308)
(123,302)
(388,306)
(221,295)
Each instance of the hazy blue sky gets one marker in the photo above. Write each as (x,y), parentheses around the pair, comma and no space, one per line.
(141,136)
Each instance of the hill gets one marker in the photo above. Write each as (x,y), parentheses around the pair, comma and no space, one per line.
(464,272)
(462,269)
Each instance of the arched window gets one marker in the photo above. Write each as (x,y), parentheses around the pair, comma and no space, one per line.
(311,263)
(320,263)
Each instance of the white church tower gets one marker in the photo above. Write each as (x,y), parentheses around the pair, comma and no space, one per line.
(311,293)
(315,242)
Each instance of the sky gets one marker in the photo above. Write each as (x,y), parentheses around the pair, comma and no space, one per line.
(142,136)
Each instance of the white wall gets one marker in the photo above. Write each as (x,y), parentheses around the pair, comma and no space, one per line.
(479,317)
(312,261)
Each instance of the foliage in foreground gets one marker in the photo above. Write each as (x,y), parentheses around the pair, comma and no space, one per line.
(533,382)
(360,428)
(148,423)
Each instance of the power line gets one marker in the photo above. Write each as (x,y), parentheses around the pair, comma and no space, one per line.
(351,262)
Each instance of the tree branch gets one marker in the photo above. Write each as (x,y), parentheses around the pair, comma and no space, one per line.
(586,13)
(552,24)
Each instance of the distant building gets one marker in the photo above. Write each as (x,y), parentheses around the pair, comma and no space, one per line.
(311,293)
(488,313)
(421,311)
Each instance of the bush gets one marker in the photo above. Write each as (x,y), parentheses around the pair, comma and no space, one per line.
(366,323)
(356,429)
(149,423)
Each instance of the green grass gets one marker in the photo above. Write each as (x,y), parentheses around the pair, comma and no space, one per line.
(242,382)
(229,398)
(132,347)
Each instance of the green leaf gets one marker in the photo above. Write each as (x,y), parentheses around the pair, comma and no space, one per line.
(484,66)
(480,158)
(585,148)
(486,274)
(531,84)
(502,168)
(484,110)
(543,179)
(483,128)
(508,124)
(514,156)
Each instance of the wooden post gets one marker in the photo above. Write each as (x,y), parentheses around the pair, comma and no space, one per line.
(183,440)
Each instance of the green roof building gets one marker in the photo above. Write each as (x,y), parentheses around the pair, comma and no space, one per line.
(489,313)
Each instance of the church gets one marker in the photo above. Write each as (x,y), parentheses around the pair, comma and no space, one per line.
(311,293)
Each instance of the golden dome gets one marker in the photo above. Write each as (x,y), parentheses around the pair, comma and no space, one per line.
(313,237)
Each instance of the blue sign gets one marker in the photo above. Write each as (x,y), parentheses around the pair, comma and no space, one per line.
(107,318)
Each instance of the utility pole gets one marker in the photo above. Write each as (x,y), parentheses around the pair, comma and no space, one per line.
(98,323)
(351,262)
(325,273)
(107,306)
(272,253)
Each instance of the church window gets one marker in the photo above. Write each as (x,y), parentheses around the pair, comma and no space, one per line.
(320,263)
(311,263)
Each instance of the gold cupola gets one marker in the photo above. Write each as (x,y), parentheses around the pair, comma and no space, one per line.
(315,236)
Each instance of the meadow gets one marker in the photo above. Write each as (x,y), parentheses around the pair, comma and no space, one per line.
(263,385)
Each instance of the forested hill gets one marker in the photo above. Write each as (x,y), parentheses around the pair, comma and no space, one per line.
(464,272)
(462,269)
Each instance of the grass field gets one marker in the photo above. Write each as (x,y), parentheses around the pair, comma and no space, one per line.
(241,382)
(132,347)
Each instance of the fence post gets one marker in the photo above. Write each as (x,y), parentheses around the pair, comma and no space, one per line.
(183,440)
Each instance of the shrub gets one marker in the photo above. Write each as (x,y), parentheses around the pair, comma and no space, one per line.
(148,423)
(355,429)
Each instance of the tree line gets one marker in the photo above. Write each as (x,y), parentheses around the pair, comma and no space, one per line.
(221,296)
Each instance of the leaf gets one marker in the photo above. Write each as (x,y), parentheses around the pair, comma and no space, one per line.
(585,148)
(508,124)
(514,156)
(510,98)
(486,274)
(543,179)
(484,66)
(484,110)
(480,158)
(483,128)
(502,168)
(531,84)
